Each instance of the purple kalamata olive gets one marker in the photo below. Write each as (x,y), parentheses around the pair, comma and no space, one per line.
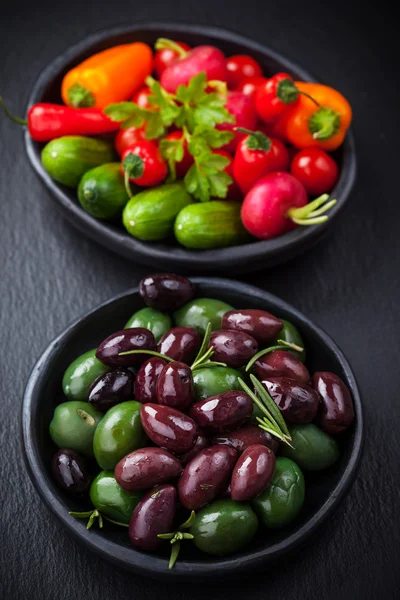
(154,514)
(252,473)
(166,291)
(336,411)
(144,468)
(71,472)
(205,476)
(137,338)
(246,436)
(181,344)
(175,386)
(112,388)
(224,412)
(261,325)
(235,348)
(226,492)
(146,380)
(280,363)
(199,445)
(168,427)
(297,401)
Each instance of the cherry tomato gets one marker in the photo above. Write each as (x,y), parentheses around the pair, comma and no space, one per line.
(241,66)
(166,56)
(146,166)
(128,137)
(281,158)
(316,170)
(249,85)
(141,98)
(275,97)
(234,192)
(184,165)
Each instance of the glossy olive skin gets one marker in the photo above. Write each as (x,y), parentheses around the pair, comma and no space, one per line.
(80,375)
(181,344)
(119,432)
(336,411)
(261,325)
(199,312)
(111,500)
(73,426)
(246,436)
(280,363)
(175,386)
(281,502)
(137,338)
(154,320)
(223,527)
(168,428)
(145,468)
(111,388)
(297,401)
(211,382)
(313,449)
(166,291)
(234,348)
(289,333)
(71,472)
(252,473)
(224,412)
(146,379)
(154,514)
(201,442)
(205,476)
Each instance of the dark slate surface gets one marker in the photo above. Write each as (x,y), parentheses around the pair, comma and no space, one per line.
(50,275)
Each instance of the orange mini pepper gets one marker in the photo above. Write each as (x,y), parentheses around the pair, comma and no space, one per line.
(112,75)
(322,123)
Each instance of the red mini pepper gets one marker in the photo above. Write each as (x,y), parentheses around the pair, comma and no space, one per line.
(48,121)
(274,97)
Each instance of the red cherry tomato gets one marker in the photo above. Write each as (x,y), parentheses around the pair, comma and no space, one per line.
(249,85)
(184,165)
(146,166)
(234,192)
(316,170)
(281,158)
(166,56)
(141,98)
(128,137)
(275,97)
(239,67)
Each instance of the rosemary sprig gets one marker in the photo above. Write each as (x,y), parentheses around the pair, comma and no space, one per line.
(282,345)
(270,404)
(205,353)
(176,536)
(151,352)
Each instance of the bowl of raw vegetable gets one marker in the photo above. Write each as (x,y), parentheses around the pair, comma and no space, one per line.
(190,145)
(192,428)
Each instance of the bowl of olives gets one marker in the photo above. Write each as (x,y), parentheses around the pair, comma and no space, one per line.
(192,429)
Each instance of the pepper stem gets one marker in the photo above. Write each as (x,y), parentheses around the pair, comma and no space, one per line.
(80,97)
(313,212)
(324,123)
(164,44)
(12,117)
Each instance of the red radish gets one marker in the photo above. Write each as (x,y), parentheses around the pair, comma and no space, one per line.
(167,52)
(143,164)
(257,155)
(141,98)
(242,108)
(249,86)
(184,165)
(234,192)
(201,59)
(128,137)
(277,203)
(241,66)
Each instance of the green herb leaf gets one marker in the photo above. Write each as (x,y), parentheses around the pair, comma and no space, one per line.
(206,178)
(213,137)
(123,110)
(270,404)
(174,554)
(211,110)
(194,91)
(282,345)
(173,152)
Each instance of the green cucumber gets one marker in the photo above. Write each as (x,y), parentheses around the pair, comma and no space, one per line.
(150,215)
(68,158)
(102,192)
(215,224)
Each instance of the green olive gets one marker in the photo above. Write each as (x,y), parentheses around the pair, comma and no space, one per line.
(199,312)
(213,381)
(80,375)
(281,502)
(73,426)
(313,449)
(223,527)
(119,433)
(111,500)
(154,320)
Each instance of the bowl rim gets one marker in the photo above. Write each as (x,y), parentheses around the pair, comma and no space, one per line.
(116,238)
(154,566)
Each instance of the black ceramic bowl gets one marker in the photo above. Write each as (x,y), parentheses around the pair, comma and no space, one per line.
(324,490)
(246,257)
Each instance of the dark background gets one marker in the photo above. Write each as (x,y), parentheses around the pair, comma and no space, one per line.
(50,275)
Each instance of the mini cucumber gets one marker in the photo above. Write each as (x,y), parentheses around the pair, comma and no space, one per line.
(207,225)
(102,192)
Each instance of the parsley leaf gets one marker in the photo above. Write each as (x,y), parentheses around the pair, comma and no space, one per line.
(213,137)
(122,111)
(206,178)
(172,151)
(211,110)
